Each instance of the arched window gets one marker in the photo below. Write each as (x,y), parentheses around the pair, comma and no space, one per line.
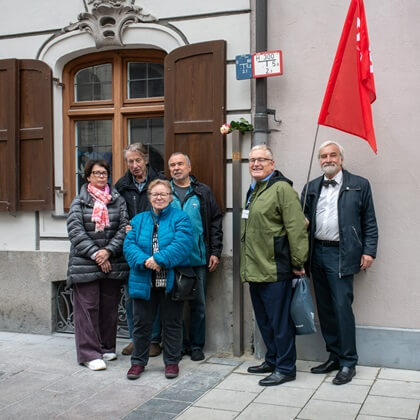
(111,99)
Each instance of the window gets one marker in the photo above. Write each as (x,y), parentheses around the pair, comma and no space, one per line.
(111,99)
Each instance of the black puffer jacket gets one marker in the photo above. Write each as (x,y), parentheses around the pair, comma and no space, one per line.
(85,241)
(136,201)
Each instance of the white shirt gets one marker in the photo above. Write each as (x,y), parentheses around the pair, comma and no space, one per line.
(327,212)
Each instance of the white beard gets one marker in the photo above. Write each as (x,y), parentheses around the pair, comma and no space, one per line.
(329,169)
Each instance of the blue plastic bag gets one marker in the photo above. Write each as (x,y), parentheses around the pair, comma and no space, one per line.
(302,307)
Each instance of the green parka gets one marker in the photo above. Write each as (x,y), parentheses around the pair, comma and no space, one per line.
(274,238)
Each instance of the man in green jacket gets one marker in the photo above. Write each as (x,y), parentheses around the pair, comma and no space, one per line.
(274,248)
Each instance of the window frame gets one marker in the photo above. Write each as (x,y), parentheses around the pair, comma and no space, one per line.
(118,110)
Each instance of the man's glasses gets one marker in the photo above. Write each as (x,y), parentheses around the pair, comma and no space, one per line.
(100,174)
(162,195)
(259,160)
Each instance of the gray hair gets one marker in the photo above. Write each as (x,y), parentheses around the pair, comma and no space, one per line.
(327,143)
(263,147)
(139,148)
(183,154)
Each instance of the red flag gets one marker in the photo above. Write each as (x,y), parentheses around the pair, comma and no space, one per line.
(351,87)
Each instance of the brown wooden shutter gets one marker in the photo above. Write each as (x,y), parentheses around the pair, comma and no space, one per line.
(8,134)
(195,80)
(36,159)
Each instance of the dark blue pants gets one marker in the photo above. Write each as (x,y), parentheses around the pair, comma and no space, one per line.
(334,298)
(271,303)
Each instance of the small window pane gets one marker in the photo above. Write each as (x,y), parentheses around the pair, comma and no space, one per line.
(145,80)
(149,131)
(93,83)
(93,141)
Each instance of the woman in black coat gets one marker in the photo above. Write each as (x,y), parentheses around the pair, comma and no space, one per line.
(96,228)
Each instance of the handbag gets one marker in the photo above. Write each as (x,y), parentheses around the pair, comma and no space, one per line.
(302,307)
(185,284)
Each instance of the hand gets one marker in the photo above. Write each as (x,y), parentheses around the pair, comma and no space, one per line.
(366,261)
(151,264)
(101,256)
(213,262)
(298,272)
(306,221)
(128,228)
(106,267)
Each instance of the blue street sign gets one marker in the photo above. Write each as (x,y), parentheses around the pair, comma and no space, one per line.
(243,67)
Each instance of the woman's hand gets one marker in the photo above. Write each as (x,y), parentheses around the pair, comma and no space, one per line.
(128,228)
(151,263)
(101,256)
(106,267)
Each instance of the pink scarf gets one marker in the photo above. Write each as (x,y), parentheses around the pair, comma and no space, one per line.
(100,211)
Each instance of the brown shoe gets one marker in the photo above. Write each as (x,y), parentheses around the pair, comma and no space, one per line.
(128,349)
(154,350)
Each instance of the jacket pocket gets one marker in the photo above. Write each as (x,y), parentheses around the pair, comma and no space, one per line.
(282,257)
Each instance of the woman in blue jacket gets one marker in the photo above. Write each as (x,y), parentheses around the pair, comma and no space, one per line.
(160,239)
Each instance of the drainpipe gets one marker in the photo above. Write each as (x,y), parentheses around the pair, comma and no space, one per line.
(260,116)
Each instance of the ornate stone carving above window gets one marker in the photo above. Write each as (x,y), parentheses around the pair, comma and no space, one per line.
(107,20)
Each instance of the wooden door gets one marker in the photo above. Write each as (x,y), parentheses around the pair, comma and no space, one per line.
(195,84)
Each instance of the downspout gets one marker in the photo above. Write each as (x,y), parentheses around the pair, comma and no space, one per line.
(260,135)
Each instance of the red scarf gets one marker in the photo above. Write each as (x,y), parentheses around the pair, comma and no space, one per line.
(100,211)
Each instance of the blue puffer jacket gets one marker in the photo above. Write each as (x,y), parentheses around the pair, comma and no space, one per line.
(175,244)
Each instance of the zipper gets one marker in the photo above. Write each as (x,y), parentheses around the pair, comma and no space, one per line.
(357,236)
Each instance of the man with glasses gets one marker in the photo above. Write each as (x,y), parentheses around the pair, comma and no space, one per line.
(198,201)
(274,248)
(133,187)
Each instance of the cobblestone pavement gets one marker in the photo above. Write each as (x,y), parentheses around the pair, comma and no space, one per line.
(40,379)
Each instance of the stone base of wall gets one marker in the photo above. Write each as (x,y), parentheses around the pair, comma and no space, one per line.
(26,284)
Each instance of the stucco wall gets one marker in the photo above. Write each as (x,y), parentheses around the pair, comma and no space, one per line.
(308,34)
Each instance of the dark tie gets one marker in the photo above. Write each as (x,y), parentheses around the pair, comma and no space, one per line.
(328,182)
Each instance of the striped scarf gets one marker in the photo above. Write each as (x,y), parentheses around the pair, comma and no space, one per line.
(100,211)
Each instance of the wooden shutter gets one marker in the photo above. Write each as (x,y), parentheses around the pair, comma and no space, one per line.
(36,159)
(195,83)
(26,138)
(8,130)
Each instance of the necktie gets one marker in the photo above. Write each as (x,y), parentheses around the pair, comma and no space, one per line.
(328,182)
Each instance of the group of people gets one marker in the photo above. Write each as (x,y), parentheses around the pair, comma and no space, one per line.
(330,234)
(139,231)
(147,225)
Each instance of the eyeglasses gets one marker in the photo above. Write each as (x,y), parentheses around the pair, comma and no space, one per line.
(162,195)
(259,160)
(100,174)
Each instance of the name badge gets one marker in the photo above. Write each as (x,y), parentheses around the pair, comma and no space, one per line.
(245,214)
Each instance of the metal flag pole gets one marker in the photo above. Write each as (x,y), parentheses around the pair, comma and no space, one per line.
(310,168)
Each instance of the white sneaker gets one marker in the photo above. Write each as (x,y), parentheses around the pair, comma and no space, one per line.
(97,364)
(109,356)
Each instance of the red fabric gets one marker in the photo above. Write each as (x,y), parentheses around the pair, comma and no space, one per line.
(351,86)
(100,211)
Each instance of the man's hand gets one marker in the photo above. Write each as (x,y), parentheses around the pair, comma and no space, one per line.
(366,261)
(298,272)
(213,262)
(101,256)
(106,267)
(151,264)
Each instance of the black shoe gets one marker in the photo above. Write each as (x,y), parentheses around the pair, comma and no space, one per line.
(344,375)
(326,367)
(197,355)
(264,367)
(276,378)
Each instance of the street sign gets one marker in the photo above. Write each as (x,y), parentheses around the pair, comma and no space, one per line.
(268,63)
(243,67)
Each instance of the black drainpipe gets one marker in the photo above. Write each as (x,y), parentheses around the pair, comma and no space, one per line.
(260,116)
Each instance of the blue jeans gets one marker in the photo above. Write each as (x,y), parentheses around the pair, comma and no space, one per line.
(196,336)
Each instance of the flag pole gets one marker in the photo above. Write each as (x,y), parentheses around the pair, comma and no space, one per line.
(310,168)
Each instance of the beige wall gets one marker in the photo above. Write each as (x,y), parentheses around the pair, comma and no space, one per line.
(308,32)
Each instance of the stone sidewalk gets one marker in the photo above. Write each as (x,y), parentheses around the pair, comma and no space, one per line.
(40,379)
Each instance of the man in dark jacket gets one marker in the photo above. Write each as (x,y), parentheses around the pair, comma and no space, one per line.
(343,239)
(133,187)
(198,201)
